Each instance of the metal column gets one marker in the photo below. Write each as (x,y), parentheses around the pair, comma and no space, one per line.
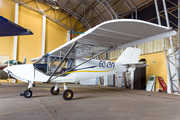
(15,37)
(172,77)
(43,35)
(164,49)
(175,76)
(179,43)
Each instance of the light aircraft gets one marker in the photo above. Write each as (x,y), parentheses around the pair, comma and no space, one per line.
(67,63)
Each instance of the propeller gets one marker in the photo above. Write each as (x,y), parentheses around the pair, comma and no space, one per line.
(25,59)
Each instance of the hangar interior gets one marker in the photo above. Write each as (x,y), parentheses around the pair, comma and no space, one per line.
(55,22)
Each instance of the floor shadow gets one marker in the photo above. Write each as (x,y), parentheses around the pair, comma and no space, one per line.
(83,97)
(9,96)
(45,95)
(40,96)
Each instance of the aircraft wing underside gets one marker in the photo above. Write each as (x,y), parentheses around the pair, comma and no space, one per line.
(9,28)
(117,34)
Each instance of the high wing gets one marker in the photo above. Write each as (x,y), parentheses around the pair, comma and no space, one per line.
(115,34)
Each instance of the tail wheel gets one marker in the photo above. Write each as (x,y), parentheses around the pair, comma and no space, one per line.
(27,93)
(67,94)
(54,92)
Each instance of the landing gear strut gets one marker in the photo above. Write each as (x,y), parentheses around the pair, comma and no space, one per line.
(27,93)
(67,93)
(54,92)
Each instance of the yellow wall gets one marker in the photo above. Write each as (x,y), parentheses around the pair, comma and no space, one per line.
(6,43)
(30,45)
(55,36)
(158,68)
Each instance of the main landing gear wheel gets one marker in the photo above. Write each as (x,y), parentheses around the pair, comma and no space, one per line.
(67,94)
(27,93)
(54,92)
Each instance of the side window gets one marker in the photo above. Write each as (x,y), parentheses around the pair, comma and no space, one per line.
(65,66)
(48,64)
(53,64)
(70,63)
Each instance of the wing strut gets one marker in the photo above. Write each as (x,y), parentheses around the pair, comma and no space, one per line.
(84,62)
(72,47)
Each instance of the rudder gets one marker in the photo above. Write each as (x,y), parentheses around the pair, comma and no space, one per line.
(130,55)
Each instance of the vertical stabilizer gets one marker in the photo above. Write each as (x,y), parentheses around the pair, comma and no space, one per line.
(130,55)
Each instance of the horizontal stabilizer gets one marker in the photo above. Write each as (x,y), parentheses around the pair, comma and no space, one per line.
(138,65)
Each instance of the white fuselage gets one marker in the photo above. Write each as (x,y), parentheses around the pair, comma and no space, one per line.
(94,68)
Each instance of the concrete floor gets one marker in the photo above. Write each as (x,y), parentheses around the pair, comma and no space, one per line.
(89,103)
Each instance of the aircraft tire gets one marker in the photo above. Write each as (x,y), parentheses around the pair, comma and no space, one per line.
(67,94)
(27,93)
(54,92)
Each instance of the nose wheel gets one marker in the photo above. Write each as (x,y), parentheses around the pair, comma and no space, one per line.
(27,93)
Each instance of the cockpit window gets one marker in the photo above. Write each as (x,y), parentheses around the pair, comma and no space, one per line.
(48,64)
